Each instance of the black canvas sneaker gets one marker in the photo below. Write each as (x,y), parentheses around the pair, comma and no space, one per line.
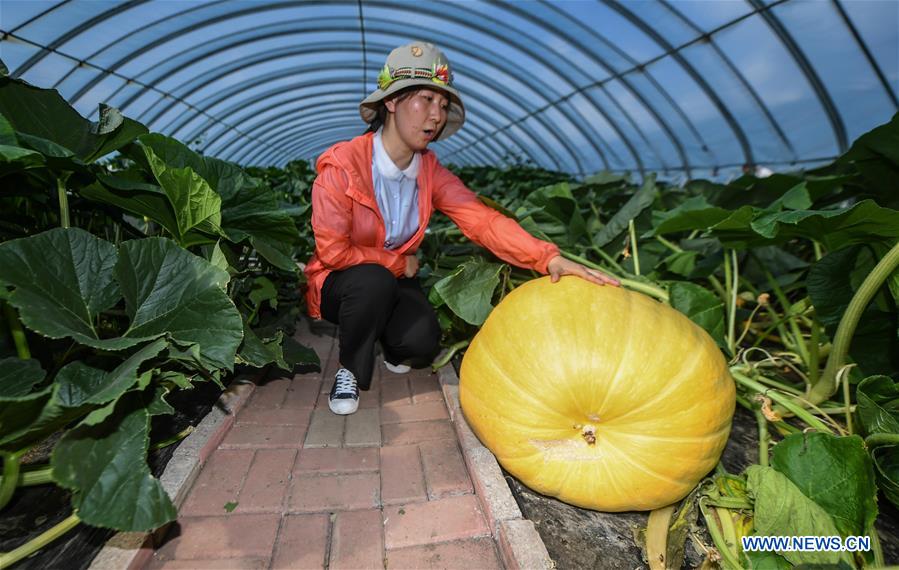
(344,396)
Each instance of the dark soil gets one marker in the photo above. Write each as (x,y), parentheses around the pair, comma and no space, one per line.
(579,538)
(33,510)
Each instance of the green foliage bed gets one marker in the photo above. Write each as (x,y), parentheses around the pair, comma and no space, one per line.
(152,269)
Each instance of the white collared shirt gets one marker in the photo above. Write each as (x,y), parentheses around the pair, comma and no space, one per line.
(396,192)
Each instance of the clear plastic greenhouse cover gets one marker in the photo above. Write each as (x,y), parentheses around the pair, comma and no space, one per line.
(687,88)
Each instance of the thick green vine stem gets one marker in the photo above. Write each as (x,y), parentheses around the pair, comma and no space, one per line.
(41,476)
(63,201)
(826,385)
(444,360)
(7,559)
(636,253)
(648,289)
(11,463)
(18,333)
(878,439)
(784,401)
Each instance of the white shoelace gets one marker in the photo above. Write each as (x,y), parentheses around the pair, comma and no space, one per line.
(346,382)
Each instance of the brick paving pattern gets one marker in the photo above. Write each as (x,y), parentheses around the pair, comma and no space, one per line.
(294,486)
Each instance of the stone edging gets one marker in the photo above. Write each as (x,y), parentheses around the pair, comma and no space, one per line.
(132,550)
(519,543)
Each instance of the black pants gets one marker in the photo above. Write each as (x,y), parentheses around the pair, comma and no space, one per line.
(369,304)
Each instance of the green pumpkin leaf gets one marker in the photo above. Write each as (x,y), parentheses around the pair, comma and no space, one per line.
(192,199)
(886,462)
(77,383)
(618,224)
(258,353)
(468,291)
(48,121)
(18,378)
(861,223)
(263,290)
(697,214)
(781,509)
(158,406)
(63,279)
(115,488)
(834,472)
(553,211)
(110,386)
(875,157)
(701,306)
(296,354)
(14,158)
(832,282)
(218,257)
(878,405)
(168,290)
(249,210)
(20,404)
(140,198)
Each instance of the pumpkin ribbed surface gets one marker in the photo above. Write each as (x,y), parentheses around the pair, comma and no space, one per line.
(599,396)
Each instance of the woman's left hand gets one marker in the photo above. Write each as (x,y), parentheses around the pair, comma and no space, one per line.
(559,266)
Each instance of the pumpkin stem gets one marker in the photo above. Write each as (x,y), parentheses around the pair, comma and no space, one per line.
(589,434)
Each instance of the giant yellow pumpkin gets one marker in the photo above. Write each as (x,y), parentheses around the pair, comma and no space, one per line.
(600,396)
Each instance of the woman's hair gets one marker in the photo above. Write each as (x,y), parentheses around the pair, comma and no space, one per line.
(400,95)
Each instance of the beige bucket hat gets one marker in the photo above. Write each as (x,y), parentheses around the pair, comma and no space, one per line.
(417,63)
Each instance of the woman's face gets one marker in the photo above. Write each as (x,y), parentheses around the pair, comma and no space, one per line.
(419,118)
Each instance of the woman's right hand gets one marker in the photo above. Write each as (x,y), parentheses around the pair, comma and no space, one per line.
(411,266)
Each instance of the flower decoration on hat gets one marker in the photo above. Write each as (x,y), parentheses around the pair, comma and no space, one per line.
(385,78)
(441,74)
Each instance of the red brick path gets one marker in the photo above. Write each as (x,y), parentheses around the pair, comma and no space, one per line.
(294,486)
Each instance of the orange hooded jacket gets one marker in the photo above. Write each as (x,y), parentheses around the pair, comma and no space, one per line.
(349,229)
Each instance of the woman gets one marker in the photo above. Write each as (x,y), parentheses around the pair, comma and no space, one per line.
(371,204)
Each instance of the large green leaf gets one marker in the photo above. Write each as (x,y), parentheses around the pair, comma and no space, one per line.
(697,214)
(618,224)
(554,213)
(133,196)
(20,404)
(860,223)
(193,201)
(114,488)
(168,290)
(469,290)
(878,412)
(43,113)
(781,509)
(832,282)
(261,349)
(886,461)
(748,227)
(63,279)
(16,158)
(875,155)
(12,156)
(258,353)
(112,385)
(295,354)
(249,210)
(834,472)
(878,405)
(701,306)
(263,291)
(18,377)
